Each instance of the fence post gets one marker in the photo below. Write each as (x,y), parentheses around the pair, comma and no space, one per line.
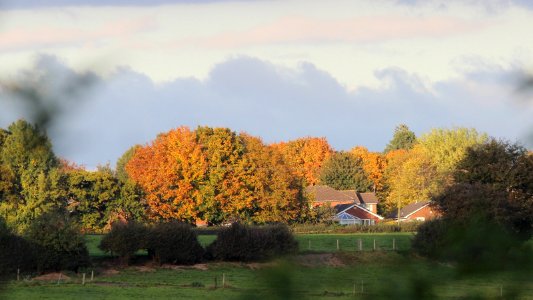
(360,245)
(337,244)
(92,275)
(374,244)
(83,279)
(223,280)
(59,279)
(393,244)
(18,274)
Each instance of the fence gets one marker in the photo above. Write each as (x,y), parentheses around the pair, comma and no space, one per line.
(332,243)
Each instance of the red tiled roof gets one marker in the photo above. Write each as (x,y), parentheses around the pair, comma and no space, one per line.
(368,198)
(324,193)
(409,209)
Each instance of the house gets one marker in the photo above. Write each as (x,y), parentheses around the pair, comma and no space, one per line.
(351,214)
(417,211)
(351,207)
(323,194)
(367,200)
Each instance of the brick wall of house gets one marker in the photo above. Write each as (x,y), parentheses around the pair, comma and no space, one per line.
(427,213)
(362,214)
(372,208)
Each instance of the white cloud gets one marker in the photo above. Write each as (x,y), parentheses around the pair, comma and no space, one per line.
(348,39)
(279,103)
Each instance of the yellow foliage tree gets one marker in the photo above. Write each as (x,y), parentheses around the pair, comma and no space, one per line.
(374,164)
(305,157)
(411,176)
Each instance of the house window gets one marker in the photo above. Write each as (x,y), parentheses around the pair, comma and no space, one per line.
(420,219)
(347,219)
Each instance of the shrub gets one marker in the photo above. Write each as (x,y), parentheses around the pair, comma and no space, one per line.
(430,238)
(174,243)
(124,239)
(15,252)
(479,245)
(57,243)
(243,243)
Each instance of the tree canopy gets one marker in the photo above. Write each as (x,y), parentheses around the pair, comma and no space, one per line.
(344,171)
(403,138)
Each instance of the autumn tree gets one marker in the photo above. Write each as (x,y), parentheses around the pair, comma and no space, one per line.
(403,138)
(275,194)
(305,156)
(374,165)
(171,170)
(223,150)
(344,171)
(410,176)
(447,147)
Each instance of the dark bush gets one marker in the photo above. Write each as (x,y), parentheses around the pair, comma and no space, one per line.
(57,242)
(174,243)
(15,252)
(124,240)
(477,245)
(243,243)
(430,238)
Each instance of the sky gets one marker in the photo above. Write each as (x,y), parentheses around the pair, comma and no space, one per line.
(350,71)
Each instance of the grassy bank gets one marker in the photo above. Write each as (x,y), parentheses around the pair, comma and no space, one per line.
(342,275)
(319,273)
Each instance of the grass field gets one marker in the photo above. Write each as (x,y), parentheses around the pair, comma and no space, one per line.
(322,273)
(312,242)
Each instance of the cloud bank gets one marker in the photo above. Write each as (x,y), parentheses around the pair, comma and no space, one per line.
(276,103)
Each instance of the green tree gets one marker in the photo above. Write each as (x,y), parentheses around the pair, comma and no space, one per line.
(495,181)
(492,196)
(403,138)
(131,204)
(91,195)
(344,171)
(27,148)
(59,245)
(447,147)
(121,172)
(223,150)
(30,184)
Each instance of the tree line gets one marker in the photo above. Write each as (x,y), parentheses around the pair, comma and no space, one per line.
(217,176)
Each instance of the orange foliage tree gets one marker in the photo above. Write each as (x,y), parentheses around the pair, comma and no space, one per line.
(305,157)
(216,175)
(374,165)
(171,171)
(276,193)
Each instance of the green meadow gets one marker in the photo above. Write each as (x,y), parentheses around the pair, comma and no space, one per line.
(322,272)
